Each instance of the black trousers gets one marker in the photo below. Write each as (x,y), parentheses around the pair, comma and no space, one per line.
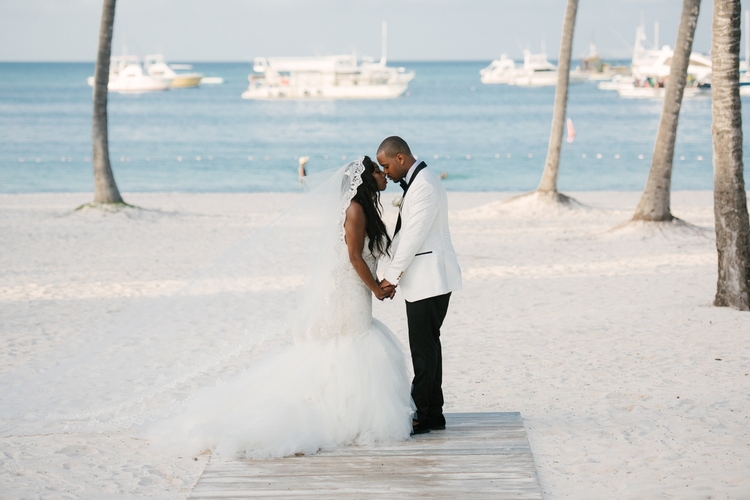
(425,317)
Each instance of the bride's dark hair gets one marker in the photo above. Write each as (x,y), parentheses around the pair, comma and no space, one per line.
(368,196)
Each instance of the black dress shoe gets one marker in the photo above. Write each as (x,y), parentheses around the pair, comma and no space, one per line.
(437,422)
(420,427)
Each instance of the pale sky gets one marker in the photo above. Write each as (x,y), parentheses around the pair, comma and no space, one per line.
(238,30)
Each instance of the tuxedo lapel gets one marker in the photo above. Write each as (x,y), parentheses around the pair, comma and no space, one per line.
(414,176)
(419,168)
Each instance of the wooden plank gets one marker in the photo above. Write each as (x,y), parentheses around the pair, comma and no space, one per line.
(479,455)
(334,465)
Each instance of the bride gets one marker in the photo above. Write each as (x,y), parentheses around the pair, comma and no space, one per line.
(344,379)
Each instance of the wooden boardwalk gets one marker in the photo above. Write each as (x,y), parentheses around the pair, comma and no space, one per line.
(479,455)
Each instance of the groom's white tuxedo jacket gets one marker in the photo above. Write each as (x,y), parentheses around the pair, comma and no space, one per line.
(423,262)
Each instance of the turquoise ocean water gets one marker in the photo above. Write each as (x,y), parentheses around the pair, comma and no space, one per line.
(485,137)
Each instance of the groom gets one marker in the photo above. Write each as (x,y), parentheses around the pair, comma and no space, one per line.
(425,269)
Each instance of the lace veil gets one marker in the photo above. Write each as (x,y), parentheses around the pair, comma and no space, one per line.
(148,360)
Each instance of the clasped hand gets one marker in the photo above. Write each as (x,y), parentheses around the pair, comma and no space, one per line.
(386,291)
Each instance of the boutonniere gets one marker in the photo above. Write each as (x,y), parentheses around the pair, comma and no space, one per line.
(397,201)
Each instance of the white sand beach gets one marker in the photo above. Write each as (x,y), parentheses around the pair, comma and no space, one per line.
(630,383)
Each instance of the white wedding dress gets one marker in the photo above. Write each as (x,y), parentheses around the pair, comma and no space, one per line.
(267,351)
(343,382)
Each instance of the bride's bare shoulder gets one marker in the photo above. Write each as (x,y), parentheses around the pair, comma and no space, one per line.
(355,212)
(354,224)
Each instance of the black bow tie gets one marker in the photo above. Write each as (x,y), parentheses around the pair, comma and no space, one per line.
(403,184)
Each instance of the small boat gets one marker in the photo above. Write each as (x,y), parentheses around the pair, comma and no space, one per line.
(536,71)
(126,74)
(156,67)
(595,69)
(327,77)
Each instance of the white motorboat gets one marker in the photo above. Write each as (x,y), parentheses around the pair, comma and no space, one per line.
(499,71)
(656,62)
(327,77)
(126,75)
(158,68)
(536,71)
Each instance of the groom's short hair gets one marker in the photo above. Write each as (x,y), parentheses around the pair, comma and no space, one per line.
(393,145)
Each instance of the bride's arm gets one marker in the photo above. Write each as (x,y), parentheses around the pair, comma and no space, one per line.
(354,228)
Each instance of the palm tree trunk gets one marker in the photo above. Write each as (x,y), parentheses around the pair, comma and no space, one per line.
(552,165)
(654,204)
(105,188)
(730,200)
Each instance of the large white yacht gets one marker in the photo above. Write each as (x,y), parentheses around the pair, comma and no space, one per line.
(650,70)
(126,75)
(326,77)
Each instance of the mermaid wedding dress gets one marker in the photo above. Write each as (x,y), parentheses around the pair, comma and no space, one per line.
(343,381)
(270,349)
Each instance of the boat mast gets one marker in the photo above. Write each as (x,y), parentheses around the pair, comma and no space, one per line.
(656,36)
(384,43)
(640,36)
